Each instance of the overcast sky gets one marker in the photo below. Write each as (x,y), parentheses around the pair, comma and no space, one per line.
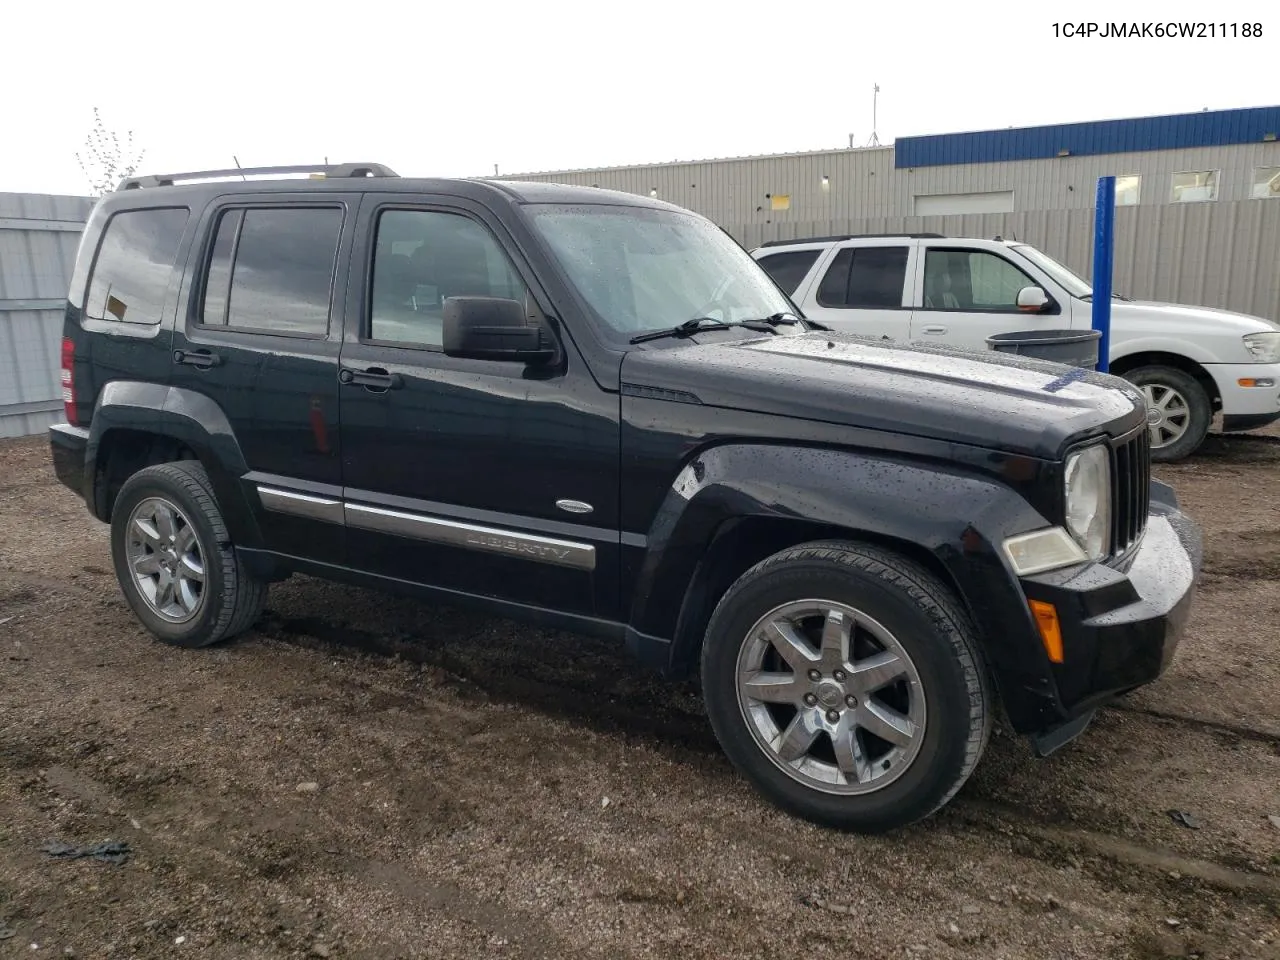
(450,89)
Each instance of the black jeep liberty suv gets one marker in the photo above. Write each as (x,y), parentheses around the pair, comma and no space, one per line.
(595,411)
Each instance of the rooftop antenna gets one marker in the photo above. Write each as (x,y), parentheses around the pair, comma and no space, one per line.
(851,141)
(875,103)
(238,167)
(495,169)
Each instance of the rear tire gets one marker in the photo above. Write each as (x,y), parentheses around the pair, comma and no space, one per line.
(174,560)
(1183,407)
(788,682)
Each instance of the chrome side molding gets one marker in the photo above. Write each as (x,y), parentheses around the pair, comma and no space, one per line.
(301,504)
(562,553)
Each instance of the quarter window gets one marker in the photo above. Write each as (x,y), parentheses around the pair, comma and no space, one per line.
(789,269)
(423,257)
(134,265)
(1194,186)
(971,280)
(271,270)
(866,277)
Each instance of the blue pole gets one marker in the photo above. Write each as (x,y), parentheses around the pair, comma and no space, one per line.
(1103,248)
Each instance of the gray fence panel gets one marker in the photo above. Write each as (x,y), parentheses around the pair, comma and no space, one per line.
(38,239)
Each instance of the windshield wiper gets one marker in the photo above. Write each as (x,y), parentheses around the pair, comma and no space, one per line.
(1088,298)
(698,324)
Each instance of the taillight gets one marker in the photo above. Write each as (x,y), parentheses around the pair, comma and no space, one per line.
(68,380)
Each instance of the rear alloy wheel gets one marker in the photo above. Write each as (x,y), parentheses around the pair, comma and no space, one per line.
(1179,413)
(174,559)
(845,682)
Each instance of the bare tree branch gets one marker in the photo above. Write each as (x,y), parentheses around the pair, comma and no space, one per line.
(103,160)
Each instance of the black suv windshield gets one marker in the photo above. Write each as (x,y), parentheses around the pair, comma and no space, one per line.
(644,269)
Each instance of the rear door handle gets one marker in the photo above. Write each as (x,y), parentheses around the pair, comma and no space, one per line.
(197,358)
(934,328)
(375,379)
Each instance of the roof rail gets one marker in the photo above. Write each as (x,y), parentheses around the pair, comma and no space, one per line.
(334,171)
(854,236)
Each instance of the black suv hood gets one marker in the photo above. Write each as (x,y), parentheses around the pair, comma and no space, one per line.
(990,400)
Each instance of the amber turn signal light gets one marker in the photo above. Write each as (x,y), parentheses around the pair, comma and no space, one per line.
(1050,631)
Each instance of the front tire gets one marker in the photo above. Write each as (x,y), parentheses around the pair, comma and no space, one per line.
(174,561)
(1179,411)
(845,683)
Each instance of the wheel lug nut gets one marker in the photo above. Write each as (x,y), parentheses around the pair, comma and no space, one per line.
(815,676)
(840,676)
(833,715)
(810,699)
(851,701)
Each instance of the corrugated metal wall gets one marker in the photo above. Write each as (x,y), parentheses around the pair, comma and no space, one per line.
(1206,129)
(38,239)
(864,183)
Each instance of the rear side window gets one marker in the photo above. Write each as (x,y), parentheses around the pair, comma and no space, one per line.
(134,265)
(867,277)
(790,268)
(271,270)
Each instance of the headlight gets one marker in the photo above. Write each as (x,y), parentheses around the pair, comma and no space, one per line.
(1088,497)
(1263,347)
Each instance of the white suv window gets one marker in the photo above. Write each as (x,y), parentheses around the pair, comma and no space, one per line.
(866,277)
(789,268)
(971,280)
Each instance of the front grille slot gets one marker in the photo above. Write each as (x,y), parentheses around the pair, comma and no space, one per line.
(1131,496)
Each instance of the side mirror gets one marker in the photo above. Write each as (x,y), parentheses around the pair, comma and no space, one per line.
(492,328)
(1033,299)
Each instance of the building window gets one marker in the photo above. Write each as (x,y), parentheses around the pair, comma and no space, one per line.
(1266,183)
(1194,186)
(1128,191)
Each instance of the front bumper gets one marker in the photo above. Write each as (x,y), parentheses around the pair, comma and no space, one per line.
(1120,625)
(1255,406)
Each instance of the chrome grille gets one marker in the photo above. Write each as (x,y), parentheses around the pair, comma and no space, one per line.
(1131,496)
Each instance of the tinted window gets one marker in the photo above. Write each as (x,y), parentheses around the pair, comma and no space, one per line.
(790,268)
(971,280)
(421,258)
(281,278)
(834,289)
(868,277)
(877,277)
(134,265)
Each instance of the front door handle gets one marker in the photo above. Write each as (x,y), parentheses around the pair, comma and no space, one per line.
(374,379)
(934,328)
(197,358)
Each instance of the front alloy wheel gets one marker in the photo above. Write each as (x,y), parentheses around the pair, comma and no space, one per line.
(831,696)
(846,683)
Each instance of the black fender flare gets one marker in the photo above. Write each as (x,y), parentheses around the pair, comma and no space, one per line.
(188,417)
(955,516)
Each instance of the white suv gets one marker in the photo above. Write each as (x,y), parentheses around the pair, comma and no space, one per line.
(1190,362)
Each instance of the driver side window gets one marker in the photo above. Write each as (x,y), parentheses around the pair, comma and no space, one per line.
(971,280)
(420,258)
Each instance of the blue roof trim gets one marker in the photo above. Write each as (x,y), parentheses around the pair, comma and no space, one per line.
(1175,132)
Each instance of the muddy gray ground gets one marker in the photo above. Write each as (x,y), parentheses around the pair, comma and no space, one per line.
(462,766)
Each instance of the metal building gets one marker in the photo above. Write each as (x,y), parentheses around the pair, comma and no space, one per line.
(1198,194)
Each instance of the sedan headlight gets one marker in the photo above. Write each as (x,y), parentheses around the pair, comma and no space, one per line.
(1263,347)
(1088,498)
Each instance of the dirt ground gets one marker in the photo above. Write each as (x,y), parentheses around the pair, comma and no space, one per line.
(363,776)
